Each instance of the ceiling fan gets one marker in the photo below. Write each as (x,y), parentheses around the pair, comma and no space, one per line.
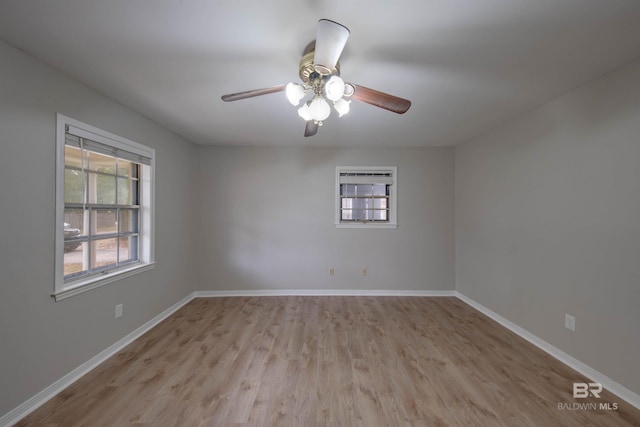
(320,74)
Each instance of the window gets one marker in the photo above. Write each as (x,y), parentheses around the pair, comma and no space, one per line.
(104,208)
(366,197)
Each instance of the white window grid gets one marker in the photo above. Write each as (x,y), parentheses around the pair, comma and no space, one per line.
(366,197)
(139,211)
(90,212)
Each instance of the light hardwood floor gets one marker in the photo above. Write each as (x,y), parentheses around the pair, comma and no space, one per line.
(329,361)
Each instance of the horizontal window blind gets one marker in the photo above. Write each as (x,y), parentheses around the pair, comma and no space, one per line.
(368,177)
(80,138)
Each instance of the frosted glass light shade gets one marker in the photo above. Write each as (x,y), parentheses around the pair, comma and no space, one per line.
(334,88)
(320,109)
(294,92)
(341,106)
(331,38)
(349,89)
(305,112)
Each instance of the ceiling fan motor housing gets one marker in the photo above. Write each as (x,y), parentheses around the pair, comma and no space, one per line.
(307,71)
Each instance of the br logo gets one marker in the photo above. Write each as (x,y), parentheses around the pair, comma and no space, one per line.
(583,390)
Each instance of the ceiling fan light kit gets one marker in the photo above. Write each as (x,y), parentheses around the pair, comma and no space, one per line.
(325,90)
(320,74)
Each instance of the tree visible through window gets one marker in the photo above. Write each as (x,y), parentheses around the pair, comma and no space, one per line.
(101,213)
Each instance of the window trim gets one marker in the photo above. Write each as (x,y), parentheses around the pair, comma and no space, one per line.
(146,262)
(393,198)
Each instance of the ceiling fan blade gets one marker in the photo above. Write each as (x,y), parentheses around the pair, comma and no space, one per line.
(380,99)
(310,128)
(331,38)
(251,93)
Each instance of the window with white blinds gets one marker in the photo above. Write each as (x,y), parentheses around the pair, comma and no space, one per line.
(365,196)
(104,207)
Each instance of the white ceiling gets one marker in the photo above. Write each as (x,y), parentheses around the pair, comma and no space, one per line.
(467,65)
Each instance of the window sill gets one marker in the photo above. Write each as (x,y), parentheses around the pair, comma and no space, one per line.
(365,225)
(94,282)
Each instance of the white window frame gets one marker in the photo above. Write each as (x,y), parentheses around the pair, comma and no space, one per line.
(393,199)
(146,238)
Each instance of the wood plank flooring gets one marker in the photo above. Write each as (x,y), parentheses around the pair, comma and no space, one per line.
(329,361)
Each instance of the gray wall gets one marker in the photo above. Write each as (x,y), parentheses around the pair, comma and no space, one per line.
(548,222)
(42,340)
(267,221)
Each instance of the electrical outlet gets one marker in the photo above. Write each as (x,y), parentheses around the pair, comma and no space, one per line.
(119,308)
(363,272)
(331,271)
(569,322)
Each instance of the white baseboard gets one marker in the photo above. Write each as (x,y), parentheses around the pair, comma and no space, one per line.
(43,396)
(609,384)
(323,292)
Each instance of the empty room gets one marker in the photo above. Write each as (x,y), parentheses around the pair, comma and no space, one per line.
(320,213)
